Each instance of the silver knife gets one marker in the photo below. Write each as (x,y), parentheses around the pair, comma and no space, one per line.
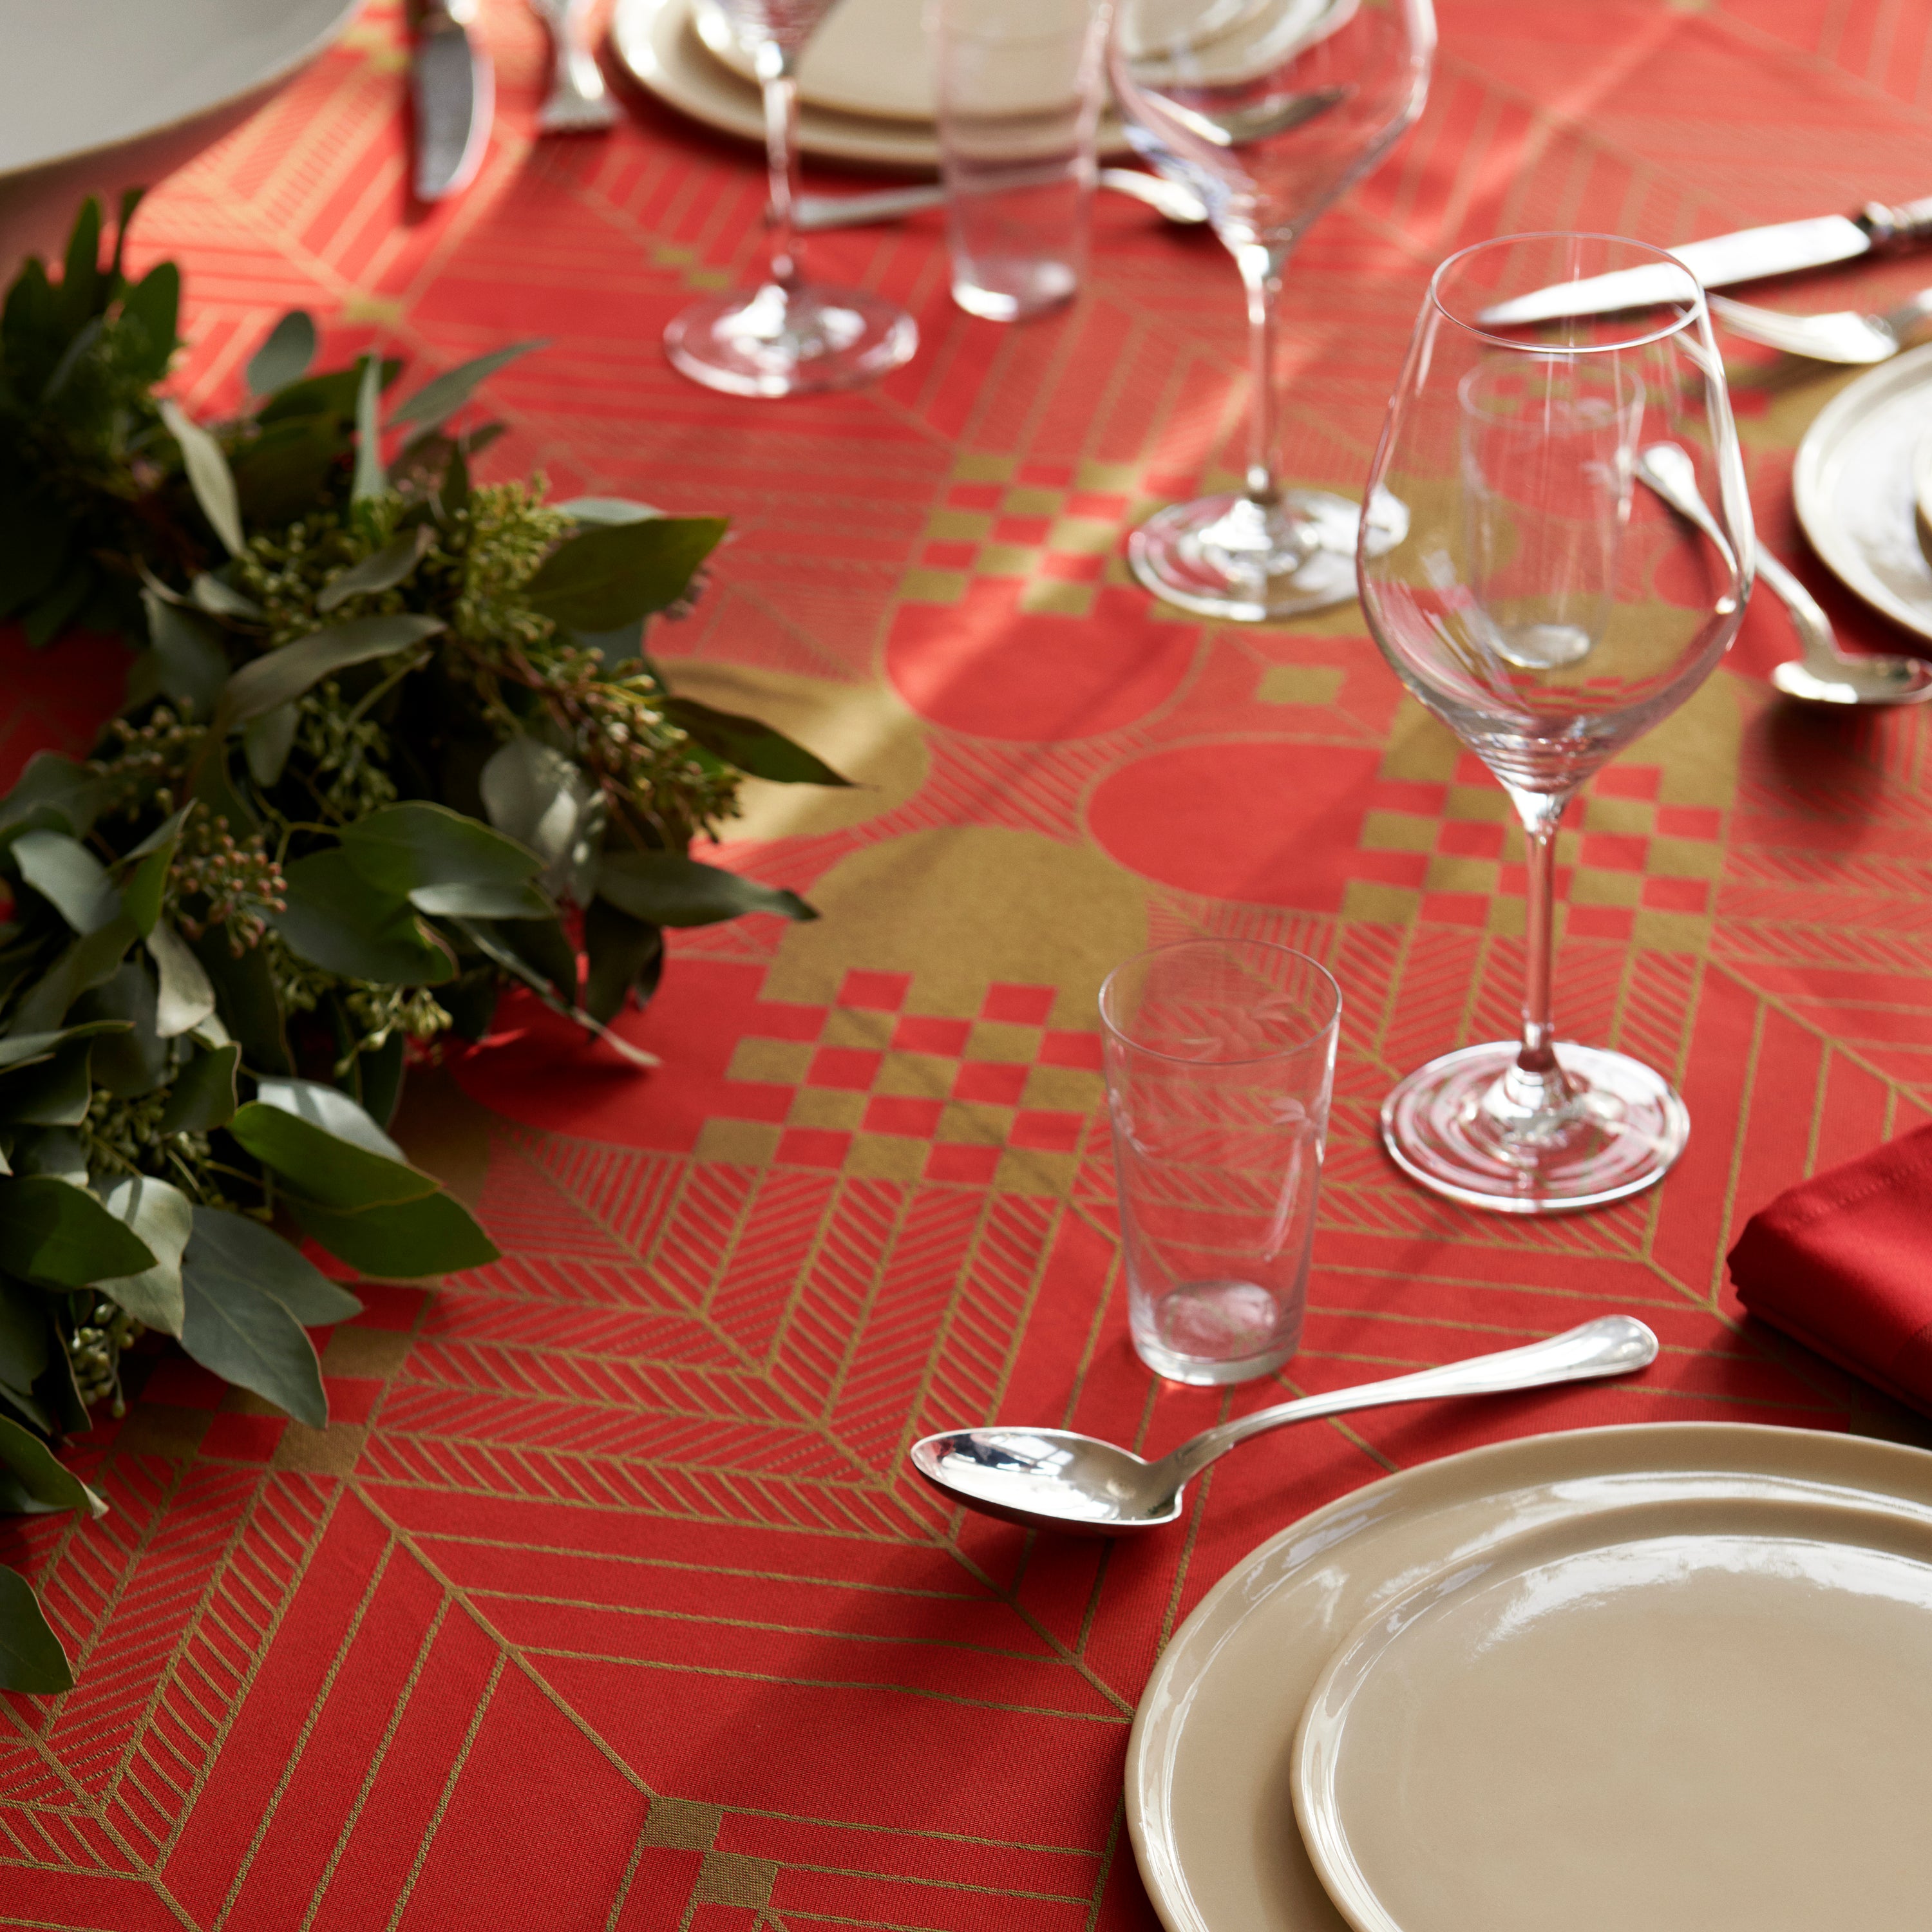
(1743,256)
(454,89)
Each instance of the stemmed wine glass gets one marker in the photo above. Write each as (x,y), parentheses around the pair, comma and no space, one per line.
(788,337)
(1549,604)
(1268,109)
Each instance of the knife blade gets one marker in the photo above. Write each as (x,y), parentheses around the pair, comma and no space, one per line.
(453,87)
(1746,256)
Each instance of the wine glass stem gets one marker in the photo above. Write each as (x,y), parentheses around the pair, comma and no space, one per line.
(1260,269)
(1541,814)
(778,76)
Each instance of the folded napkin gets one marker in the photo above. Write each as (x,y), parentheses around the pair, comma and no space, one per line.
(1842,1262)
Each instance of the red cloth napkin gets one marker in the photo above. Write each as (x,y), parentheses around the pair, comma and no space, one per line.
(1843,1263)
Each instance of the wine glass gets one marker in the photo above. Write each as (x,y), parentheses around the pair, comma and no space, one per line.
(789,337)
(1549,604)
(1268,109)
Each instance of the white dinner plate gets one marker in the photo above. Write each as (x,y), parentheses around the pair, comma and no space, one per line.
(1210,1773)
(657,41)
(1708,1713)
(1853,486)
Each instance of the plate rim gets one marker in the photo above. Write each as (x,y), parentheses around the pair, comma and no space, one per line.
(1318,1736)
(1810,498)
(632,32)
(1171,1904)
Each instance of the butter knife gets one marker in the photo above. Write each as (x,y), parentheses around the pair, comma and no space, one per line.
(453,87)
(1747,256)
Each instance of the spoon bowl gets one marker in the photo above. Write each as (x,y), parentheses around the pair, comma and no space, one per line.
(1059,1479)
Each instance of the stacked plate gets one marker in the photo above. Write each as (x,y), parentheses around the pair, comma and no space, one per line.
(1678,1678)
(865,88)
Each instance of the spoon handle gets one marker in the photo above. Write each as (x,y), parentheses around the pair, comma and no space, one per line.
(1613,1345)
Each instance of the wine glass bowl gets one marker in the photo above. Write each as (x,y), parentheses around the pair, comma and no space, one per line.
(1549,608)
(1268,109)
(789,336)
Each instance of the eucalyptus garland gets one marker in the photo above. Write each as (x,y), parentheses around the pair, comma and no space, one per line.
(391,743)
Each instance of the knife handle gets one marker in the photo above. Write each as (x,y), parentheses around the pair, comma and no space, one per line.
(1898,227)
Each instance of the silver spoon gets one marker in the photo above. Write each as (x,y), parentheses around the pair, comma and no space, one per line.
(1844,336)
(1822,674)
(1055,1479)
(811,212)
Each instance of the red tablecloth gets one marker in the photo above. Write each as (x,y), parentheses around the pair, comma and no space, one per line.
(605,1601)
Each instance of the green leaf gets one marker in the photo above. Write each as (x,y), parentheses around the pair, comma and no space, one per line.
(186,995)
(87,963)
(267,741)
(190,666)
(618,950)
(288,464)
(236,1326)
(52,782)
(208,475)
(382,570)
(56,1150)
(69,877)
(541,944)
(246,999)
(80,273)
(163,1217)
(52,1093)
(154,302)
(58,1235)
(134,1061)
(751,746)
(281,675)
(220,599)
(332,395)
(607,510)
(215,789)
(612,574)
(202,1097)
(322,1164)
(538,796)
(668,889)
(285,357)
(26,1338)
(261,1257)
(40,1478)
(433,1234)
(369,477)
(439,399)
(332,1111)
(25,1049)
(378,1072)
(419,844)
(146,871)
(34,549)
(30,1657)
(333,920)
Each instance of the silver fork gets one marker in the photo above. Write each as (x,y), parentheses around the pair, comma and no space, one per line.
(1844,336)
(579,103)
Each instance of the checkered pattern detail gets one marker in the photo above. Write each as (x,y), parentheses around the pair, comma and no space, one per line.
(865,1086)
(1628,867)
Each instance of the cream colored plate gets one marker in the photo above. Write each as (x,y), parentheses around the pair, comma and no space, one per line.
(868,57)
(1689,1715)
(1853,487)
(657,41)
(1209,1765)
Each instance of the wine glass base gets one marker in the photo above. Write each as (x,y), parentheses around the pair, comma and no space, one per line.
(1229,556)
(790,342)
(1452,1125)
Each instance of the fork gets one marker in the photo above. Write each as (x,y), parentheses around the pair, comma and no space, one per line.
(579,103)
(1844,336)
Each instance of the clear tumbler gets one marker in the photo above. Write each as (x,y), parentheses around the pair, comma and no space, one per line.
(1220,1056)
(1019,98)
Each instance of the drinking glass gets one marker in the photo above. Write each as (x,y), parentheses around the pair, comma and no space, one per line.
(1019,98)
(1550,607)
(789,337)
(1220,1058)
(1268,109)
